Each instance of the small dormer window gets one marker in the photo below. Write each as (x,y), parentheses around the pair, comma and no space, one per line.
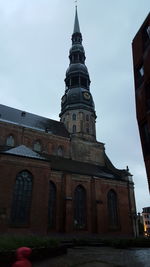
(23,113)
(37,146)
(141,70)
(139,75)
(10,141)
(148,31)
(60,151)
(146,36)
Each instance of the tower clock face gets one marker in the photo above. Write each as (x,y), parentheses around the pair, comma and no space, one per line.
(86,95)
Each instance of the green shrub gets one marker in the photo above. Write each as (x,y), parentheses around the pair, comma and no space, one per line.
(10,243)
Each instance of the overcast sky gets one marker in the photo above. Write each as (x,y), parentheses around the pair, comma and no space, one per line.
(35,37)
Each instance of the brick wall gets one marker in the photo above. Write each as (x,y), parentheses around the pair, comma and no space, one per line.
(96,193)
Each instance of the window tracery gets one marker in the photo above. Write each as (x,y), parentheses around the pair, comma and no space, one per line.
(10,141)
(52,205)
(37,146)
(112,202)
(21,201)
(80,207)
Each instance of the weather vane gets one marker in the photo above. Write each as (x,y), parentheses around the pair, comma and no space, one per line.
(76,3)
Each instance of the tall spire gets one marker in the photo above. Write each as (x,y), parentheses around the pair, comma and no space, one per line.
(76,23)
(77,105)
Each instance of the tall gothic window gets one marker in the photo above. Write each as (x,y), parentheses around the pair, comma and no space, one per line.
(37,146)
(10,141)
(80,207)
(52,206)
(21,202)
(112,209)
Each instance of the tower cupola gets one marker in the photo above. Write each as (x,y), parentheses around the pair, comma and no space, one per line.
(77,106)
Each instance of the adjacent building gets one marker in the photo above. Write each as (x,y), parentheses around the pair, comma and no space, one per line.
(141,63)
(146,220)
(54,175)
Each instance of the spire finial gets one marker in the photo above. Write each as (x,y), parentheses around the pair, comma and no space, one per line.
(76,23)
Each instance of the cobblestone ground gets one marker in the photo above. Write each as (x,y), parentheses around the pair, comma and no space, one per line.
(100,257)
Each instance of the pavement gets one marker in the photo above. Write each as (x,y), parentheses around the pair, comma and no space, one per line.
(99,257)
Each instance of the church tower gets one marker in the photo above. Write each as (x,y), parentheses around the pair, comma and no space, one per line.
(77,106)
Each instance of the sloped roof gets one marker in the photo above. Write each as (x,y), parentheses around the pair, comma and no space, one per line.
(29,120)
(76,23)
(112,168)
(68,165)
(23,151)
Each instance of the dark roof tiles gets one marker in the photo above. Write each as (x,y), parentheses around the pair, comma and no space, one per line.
(32,121)
(64,164)
(68,165)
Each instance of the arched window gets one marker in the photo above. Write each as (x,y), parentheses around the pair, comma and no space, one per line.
(74,128)
(60,151)
(92,118)
(52,206)
(21,202)
(74,117)
(80,207)
(87,128)
(87,117)
(37,146)
(81,115)
(112,209)
(10,141)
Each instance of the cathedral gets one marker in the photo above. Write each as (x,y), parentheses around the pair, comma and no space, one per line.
(54,175)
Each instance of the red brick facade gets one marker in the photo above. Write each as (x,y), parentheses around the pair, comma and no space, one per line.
(96,188)
(141,63)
